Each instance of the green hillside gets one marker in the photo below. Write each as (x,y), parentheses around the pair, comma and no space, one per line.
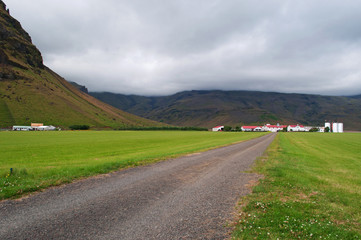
(31,92)
(210,108)
(5,115)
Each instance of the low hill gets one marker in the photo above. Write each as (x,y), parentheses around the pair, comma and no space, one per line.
(210,108)
(356,96)
(31,92)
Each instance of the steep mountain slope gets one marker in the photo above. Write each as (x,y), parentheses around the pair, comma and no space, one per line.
(31,92)
(210,108)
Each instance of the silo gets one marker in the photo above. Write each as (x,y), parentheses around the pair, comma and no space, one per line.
(340,127)
(327,124)
(335,127)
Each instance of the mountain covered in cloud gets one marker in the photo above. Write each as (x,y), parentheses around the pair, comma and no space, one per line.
(32,92)
(159,47)
(235,108)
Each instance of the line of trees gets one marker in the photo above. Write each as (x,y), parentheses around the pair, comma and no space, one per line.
(231,129)
(163,129)
(79,127)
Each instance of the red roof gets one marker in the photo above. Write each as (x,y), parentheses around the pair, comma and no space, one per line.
(251,127)
(293,126)
(276,126)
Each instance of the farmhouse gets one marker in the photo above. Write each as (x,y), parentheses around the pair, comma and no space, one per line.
(274,128)
(218,129)
(252,129)
(34,127)
(22,128)
(296,128)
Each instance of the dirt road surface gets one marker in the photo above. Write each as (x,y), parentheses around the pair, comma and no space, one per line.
(190,197)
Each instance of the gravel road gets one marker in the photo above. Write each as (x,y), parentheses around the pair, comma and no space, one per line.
(189,197)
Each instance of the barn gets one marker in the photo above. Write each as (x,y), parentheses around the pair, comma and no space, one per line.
(218,129)
(296,128)
(275,128)
(22,128)
(252,129)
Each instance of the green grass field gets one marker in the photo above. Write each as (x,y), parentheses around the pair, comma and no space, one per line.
(311,189)
(43,159)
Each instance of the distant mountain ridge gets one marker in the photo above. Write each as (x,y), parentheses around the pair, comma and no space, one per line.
(356,96)
(31,92)
(211,108)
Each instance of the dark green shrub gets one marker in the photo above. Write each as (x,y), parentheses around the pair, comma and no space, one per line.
(227,128)
(313,130)
(79,127)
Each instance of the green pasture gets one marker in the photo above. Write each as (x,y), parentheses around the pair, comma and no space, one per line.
(311,189)
(43,159)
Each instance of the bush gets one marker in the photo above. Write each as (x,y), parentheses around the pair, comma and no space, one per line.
(79,127)
(313,130)
(238,129)
(227,128)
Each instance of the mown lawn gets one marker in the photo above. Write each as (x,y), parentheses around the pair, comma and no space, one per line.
(43,159)
(311,189)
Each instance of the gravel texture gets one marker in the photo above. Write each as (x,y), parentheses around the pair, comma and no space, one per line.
(189,197)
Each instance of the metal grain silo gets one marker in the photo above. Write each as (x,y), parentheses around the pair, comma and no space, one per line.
(340,127)
(335,127)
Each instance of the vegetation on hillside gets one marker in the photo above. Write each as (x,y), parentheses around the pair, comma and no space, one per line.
(212,108)
(311,189)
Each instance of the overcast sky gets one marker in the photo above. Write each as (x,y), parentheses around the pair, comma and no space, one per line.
(153,47)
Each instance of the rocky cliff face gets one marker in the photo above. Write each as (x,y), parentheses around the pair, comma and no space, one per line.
(79,87)
(16,47)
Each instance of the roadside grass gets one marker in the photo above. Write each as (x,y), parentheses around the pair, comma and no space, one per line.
(43,159)
(311,189)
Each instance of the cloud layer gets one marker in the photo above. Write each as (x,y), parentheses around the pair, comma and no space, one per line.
(158,47)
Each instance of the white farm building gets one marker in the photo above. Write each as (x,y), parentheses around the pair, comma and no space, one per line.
(46,128)
(34,127)
(296,128)
(218,129)
(252,129)
(22,128)
(274,128)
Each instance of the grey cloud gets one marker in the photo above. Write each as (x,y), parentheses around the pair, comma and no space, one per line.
(158,47)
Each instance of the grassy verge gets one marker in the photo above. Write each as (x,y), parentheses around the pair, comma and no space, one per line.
(42,159)
(311,189)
